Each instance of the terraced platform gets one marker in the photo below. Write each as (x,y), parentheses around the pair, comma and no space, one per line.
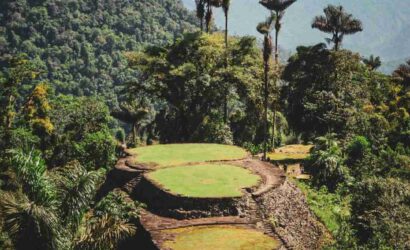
(165,155)
(228,233)
(290,153)
(196,196)
(204,180)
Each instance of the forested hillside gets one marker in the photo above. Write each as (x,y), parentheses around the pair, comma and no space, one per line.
(135,124)
(80,44)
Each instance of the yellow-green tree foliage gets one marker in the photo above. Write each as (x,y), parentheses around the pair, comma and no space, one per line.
(37,109)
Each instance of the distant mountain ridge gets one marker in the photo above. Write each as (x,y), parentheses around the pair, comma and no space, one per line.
(386,24)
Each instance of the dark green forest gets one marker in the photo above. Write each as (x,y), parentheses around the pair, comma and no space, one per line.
(80,44)
(81,80)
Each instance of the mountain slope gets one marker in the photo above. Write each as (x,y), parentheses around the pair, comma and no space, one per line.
(386,24)
(81,42)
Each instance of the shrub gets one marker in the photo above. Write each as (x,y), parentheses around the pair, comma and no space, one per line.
(96,150)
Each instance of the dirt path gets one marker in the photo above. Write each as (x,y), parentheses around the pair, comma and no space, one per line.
(272,176)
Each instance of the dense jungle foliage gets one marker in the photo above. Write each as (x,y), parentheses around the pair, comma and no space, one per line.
(81,79)
(80,44)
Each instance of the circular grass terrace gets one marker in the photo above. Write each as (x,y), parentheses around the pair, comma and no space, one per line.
(163,155)
(205,180)
(219,237)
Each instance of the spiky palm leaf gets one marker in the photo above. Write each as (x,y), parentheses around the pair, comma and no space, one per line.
(104,232)
(31,225)
(77,187)
(372,62)
(30,170)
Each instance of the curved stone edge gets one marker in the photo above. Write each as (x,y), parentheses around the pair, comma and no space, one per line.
(173,205)
(157,226)
(181,207)
(297,227)
(147,167)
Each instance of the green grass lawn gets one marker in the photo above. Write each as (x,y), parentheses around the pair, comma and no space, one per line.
(220,237)
(207,180)
(179,154)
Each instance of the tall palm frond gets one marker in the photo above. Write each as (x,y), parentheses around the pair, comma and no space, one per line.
(30,225)
(77,187)
(30,170)
(104,232)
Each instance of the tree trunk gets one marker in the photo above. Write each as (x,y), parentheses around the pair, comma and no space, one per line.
(226,66)
(265,122)
(337,41)
(134,133)
(274,127)
(208,16)
(277,39)
(226,30)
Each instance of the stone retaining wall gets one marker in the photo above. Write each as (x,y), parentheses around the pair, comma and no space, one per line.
(181,207)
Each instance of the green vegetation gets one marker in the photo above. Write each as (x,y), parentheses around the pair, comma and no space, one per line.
(81,44)
(179,154)
(208,180)
(220,237)
(69,67)
(330,208)
(185,80)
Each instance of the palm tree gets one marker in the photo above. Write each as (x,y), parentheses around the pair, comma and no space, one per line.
(131,113)
(30,224)
(209,12)
(200,12)
(372,62)
(225,7)
(104,232)
(338,23)
(278,7)
(265,29)
(31,214)
(77,188)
